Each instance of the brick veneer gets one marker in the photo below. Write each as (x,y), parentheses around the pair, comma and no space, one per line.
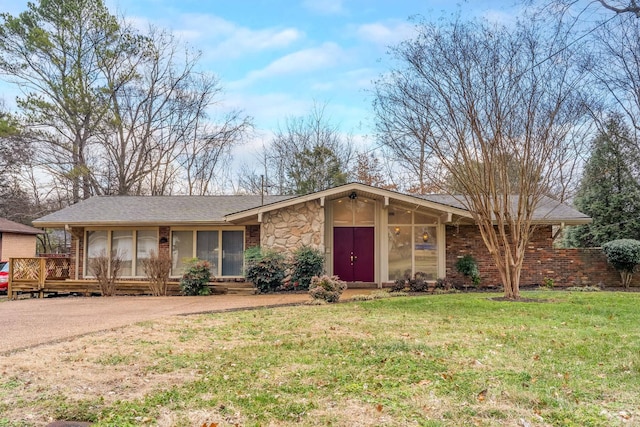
(252,236)
(163,241)
(567,267)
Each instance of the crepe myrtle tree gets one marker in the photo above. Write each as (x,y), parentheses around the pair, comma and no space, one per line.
(496,115)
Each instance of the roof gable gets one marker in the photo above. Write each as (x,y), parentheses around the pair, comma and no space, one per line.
(343,191)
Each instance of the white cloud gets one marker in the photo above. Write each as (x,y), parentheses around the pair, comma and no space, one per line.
(224,39)
(268,109)
(386,34)
(303,61)
(325,7)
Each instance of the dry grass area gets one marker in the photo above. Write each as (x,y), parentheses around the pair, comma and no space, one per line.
(441,360)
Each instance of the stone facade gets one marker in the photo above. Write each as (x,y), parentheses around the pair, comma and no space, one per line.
(294,226)
(567,267)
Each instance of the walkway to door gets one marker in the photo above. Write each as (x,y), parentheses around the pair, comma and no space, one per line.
(33,322)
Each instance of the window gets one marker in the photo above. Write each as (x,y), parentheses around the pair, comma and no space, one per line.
(207,248)
(354,212)
(233,244)
(413,245)
(146,243)
(125,244)
(97,245)
(182,250)
(224,249)
(122,247)
(399,252)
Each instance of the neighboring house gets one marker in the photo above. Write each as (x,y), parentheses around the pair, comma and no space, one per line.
(17,240)
(369,236)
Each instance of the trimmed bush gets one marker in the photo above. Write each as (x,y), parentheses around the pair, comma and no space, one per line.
(418,284)
(399,285)
(107,270)
(157,269)
(623,255)
(265,269)
(468,266)
(307,263)
(196,277)
(444,284)
(327,288)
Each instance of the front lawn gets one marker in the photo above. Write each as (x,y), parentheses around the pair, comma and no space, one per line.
(440,360)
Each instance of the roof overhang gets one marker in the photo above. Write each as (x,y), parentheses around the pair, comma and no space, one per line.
(361,190)
(128,224)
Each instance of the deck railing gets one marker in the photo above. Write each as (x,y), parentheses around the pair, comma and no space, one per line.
(31,274)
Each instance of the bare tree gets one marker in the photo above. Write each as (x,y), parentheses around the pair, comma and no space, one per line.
(208,149)
(616,68)
(627,6)
(368,170)
(408,147)
(52,51)
(159,122)
(483,94)
(114,111)
(309,154)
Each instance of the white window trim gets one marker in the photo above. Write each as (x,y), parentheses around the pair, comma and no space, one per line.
(134,242)
(194,245)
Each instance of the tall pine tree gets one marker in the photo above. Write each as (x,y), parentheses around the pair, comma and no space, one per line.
(609,191)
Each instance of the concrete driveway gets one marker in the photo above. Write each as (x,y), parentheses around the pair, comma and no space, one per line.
(32,322)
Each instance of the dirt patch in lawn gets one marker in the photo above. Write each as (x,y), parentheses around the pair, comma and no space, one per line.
(121,364)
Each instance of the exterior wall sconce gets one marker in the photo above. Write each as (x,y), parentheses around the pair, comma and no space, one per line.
(425,237)
(397,230)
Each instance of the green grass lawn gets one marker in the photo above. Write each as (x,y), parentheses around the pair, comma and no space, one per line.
(569,359)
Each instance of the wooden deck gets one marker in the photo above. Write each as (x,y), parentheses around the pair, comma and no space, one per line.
(45,276)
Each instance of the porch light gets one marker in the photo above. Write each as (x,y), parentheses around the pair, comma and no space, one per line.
(397,230)
(425,237)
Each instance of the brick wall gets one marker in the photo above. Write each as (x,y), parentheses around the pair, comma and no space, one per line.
(251,236)
(567,267)
(17,246)
(163,241)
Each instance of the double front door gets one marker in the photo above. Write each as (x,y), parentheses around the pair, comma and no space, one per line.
(354,253)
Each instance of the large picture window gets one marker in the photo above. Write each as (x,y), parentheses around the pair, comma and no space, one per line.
(97,246)
(131,246)
(224,249)
(146,244)
(413,245)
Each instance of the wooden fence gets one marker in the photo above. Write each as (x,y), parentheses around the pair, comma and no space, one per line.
(40,276)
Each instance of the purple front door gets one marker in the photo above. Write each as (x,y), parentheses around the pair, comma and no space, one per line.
(353,253)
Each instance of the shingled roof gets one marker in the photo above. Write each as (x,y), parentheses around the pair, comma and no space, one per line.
(547,210)
(188,210)
(152,210)
(7,226)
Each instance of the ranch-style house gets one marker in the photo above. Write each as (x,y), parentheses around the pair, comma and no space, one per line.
(370,236)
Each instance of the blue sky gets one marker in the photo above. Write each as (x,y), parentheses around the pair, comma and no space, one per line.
(276,57)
